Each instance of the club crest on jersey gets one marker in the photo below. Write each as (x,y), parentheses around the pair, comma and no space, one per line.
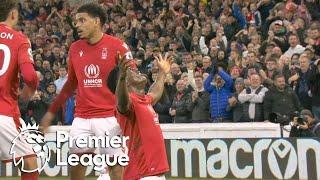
(104,53)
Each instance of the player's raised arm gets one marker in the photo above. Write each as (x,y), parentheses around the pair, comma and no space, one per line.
(122,92)
(157,87)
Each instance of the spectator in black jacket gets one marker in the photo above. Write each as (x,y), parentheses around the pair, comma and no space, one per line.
(179,110)
(281,100)
(309,127)
(234,105)
(199,105)
(162,108)
(37,107)
(302,88)
(314,85)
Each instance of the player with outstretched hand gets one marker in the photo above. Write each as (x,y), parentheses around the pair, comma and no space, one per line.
(139,121)
(91,59)
(15,56)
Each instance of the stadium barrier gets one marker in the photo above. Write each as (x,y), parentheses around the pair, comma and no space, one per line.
(237,150)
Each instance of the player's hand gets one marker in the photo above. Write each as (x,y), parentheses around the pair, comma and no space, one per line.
(46,121)
(164,64)
(124,64)
(26,93)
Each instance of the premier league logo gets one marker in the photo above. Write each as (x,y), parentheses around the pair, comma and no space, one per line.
(31,135)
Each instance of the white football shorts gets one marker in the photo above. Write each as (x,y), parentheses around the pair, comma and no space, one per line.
(84,128)
(8,133)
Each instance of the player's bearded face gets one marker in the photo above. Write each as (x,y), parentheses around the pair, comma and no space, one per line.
(85,25)
(136,78)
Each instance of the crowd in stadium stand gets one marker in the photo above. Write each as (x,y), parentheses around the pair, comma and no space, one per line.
(234,60)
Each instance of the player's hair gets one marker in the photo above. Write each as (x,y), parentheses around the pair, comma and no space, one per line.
(5,7)
(94,10)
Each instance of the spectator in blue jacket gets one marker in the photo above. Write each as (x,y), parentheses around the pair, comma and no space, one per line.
(219,84)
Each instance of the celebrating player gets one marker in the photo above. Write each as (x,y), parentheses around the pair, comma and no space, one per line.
(139,121)
(91,60)
(15,56)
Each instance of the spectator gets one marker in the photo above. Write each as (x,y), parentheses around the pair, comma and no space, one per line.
(295,47)
(162,107)
(302,87)
(235,72)
(50,93)
(37,108)
(281,100)
(206,64)
(309,127)
(234,105)
(69,111)
(252,99)
(309,51)
(179,110)
(220,86)
(255,16)
(314,85)
(277,34)
(199,105)
(271,71)
(175,71)
(62,78)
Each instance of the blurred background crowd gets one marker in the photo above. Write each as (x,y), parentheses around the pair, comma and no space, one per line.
(234,60)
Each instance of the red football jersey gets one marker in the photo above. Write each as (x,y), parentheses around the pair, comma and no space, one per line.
(15,51)
(147,153)
(88,68)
